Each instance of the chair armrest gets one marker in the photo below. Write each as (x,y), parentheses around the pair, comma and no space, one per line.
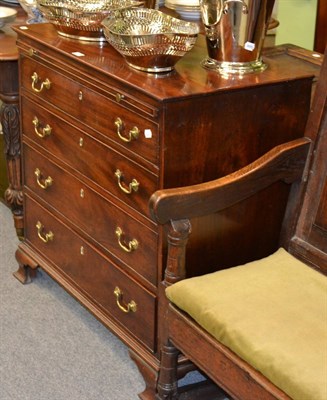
(285,162)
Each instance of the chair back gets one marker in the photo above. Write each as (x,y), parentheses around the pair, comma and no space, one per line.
(308,241)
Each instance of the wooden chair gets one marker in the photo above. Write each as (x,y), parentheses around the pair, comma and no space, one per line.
(259,330)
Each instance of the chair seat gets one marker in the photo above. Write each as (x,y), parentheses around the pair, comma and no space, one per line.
(272,313)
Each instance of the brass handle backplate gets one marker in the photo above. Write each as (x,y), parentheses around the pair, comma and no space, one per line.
(130,307)
(132,135)
(133,186)
(46,182)
(46,131)
(46,84)
(45,237)
(132,244)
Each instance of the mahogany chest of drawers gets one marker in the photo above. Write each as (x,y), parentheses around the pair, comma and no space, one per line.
(98,138)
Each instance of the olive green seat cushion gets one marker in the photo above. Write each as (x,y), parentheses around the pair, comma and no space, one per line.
(272,313)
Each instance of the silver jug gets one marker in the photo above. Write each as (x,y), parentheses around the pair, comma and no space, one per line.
(235,31)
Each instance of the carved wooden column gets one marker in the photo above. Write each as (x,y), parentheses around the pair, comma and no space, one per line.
(9,118)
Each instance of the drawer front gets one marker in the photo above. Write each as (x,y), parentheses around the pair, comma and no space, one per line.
(133,132)
(110,170)
(91,273)
(128,239)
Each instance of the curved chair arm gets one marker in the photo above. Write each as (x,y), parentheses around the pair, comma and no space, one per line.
(285,162)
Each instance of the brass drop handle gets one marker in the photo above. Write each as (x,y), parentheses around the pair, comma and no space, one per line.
(46,84)
(133,186)
(132,135)
(46,182)
(46,131)
(130,307)
(132,244)
(45,237)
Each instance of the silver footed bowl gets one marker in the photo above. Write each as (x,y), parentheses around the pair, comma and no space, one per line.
(81,19)
(7,15)
(148,39)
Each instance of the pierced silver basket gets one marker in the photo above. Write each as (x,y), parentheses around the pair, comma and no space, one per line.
(150,40)
(81,19)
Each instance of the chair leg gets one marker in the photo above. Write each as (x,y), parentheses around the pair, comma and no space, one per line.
(167,386)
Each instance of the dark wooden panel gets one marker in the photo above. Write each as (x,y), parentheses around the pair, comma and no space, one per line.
(321,27)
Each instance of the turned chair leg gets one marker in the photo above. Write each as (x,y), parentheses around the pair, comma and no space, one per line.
(167,386)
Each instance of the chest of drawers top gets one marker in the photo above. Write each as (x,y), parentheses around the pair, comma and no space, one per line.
(101,65)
